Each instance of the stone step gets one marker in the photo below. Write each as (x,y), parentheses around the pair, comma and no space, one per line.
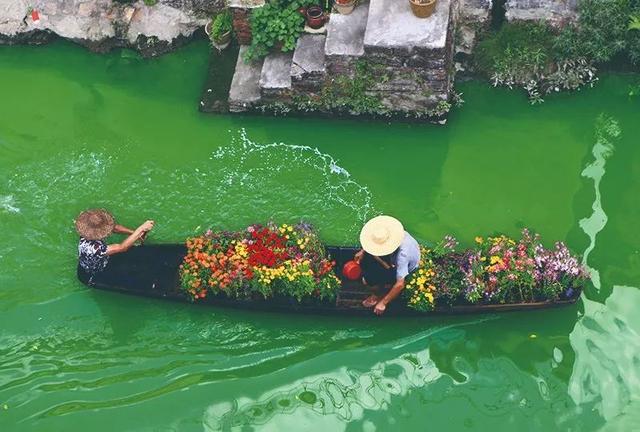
(392,25)
(245,85)
(345,33)
(308,66)
(275,78)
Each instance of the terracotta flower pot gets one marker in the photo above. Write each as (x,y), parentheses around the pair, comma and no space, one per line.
(315,17)
(344,7)
(423,8)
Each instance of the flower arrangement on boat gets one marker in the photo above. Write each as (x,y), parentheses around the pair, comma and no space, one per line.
(265,260)
(497,270)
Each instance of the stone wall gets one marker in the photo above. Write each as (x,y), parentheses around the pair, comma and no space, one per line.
(102,25)
(471,16)
(555,12)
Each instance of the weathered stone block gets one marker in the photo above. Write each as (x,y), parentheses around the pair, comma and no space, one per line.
(391,24)
(245,86)
(553,11)
(275,77)
(345,33)
(308,66)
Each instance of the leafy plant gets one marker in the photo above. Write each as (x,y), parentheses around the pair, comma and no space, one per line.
(602,32)
(277,24)
(516,46)
(526,55)
(222,24)
(150,2)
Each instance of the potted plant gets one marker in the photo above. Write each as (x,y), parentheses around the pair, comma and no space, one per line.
(315,17)
(219,30)
(423,8)
(344,7)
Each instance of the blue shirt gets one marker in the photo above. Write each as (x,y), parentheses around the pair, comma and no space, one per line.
(408,256)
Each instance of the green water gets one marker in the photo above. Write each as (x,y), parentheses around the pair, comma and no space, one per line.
(79,130)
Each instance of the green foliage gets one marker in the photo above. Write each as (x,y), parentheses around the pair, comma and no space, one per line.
(634,22)
(352,93)
(527,55)
(520,47)
(222,24)
(150,2)
(276,23)
(603,32)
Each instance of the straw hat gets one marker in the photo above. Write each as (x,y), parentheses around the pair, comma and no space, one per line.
(381,235)
(95,224)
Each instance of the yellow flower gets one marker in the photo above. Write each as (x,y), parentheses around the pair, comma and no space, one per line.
(495,259)
(289,228)
(479,240)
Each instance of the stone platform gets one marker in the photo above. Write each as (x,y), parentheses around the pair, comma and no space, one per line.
(411,59)
(245,86)
(392,25)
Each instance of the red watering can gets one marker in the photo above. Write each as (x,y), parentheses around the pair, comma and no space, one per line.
(352,270)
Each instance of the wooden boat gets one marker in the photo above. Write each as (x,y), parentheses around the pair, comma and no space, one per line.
(152,271)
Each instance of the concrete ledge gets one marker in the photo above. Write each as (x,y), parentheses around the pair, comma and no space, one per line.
(245,4)
(345,34)
(308,58)
(391,24)
(276,71)
(245,86)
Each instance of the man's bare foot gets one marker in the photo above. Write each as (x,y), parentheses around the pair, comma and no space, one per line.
(371,301)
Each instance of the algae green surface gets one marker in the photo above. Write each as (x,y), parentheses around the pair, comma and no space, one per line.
(79,130)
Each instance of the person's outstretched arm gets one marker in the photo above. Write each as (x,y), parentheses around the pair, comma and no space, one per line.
(121,229)
(391,295)
(129,241)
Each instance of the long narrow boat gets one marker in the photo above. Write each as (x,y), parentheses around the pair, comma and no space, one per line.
(152,271)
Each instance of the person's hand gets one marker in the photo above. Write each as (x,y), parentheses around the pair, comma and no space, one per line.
(358,256)
(380,308)
(147,226)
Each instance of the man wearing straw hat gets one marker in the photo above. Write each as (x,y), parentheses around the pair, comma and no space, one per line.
(94,226)
(388,255)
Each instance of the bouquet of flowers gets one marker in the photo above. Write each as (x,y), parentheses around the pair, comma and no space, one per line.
(265,260)
(497,270)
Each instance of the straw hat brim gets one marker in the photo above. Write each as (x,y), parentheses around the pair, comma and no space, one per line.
(95,224)
(382,235)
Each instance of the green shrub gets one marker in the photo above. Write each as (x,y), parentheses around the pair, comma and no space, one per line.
(150,2)
(520,46)
(277,22)
(603,32)
(525,54)
(222,24)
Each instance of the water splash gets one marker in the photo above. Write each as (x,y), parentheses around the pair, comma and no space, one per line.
(306,175)
(607,130)
(8,204)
